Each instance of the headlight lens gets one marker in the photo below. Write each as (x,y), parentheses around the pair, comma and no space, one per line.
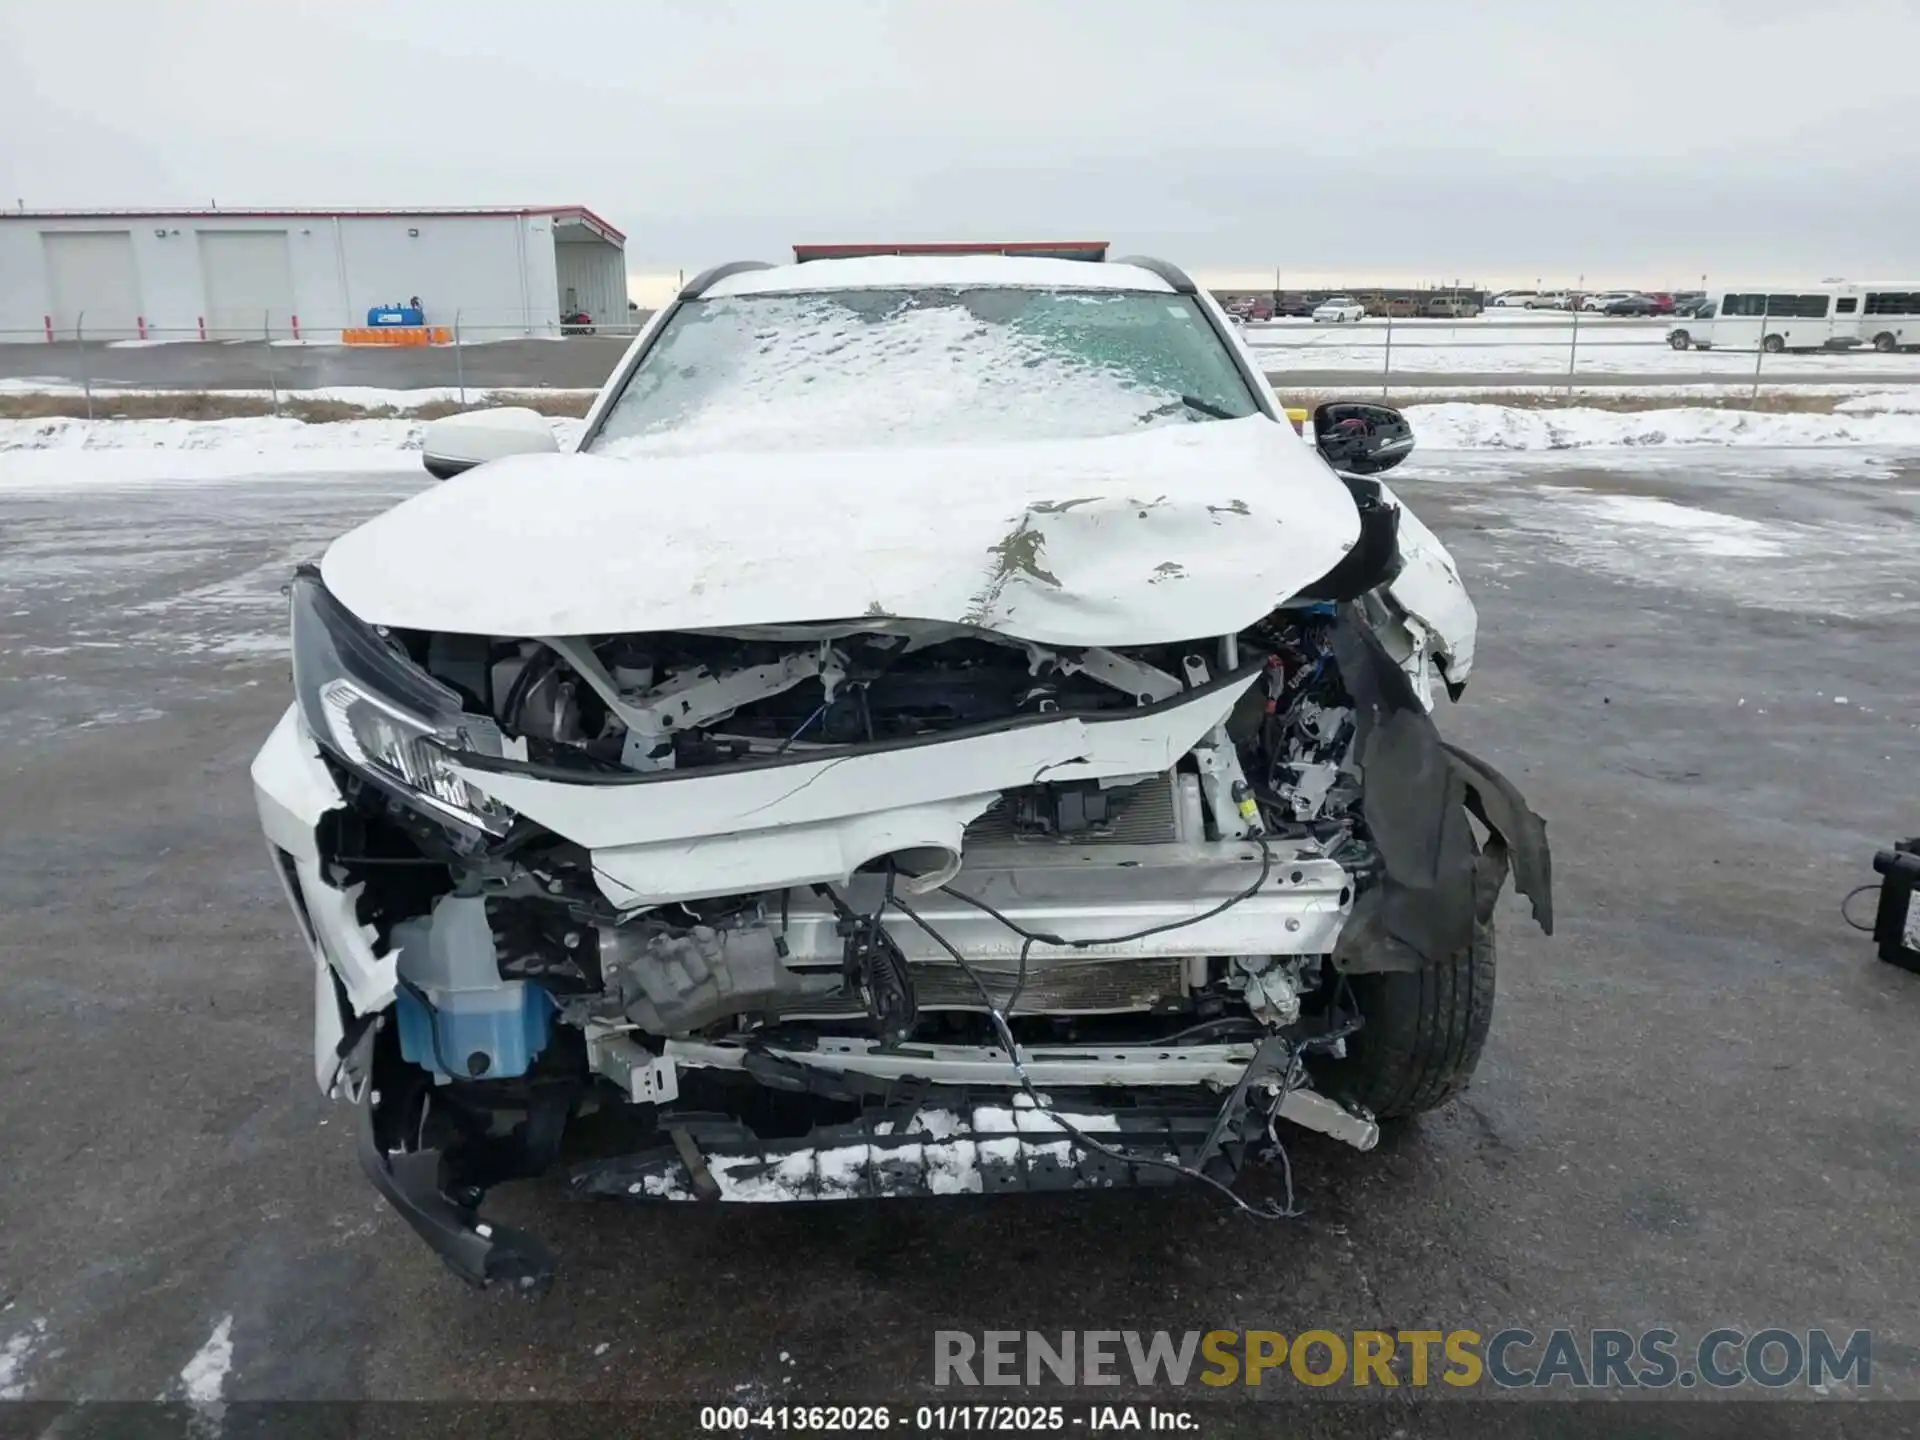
(385,716)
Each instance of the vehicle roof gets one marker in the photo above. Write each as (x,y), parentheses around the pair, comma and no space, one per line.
(910,272)
(1809,287)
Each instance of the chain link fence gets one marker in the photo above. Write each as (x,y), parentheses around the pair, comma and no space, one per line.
(464,356)
(1543,350)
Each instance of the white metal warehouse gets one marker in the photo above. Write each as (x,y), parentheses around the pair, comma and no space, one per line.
(252,274)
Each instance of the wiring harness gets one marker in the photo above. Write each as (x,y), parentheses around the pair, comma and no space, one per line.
(1275,1055)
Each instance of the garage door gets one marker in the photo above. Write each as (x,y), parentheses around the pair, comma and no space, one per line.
(96,290)
(249,283)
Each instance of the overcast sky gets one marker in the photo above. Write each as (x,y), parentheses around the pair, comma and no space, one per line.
(1645,141)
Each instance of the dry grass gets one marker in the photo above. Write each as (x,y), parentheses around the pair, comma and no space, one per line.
(212,405)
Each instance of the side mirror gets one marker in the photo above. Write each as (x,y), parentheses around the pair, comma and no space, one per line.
(460,442)
(1361,439)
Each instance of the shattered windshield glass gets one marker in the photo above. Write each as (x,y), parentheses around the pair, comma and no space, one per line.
(854,369)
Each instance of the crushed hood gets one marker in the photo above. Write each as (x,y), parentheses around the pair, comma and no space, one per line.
(1177,531)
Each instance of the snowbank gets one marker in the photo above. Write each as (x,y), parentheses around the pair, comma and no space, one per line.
(38,452)
(1502,427)
(108,452)
(253,434)
(1905,401)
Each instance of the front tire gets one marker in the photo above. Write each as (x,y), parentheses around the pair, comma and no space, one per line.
(1773,344)
(1679,340)
(1423,1034)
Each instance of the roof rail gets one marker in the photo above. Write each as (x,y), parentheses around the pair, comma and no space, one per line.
(706,279)
(1094,250)
(1172,274)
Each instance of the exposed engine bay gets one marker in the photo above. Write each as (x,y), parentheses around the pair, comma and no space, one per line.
(1280,765)
(1175,926)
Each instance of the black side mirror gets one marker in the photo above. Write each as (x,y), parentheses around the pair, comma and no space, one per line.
(1361,439)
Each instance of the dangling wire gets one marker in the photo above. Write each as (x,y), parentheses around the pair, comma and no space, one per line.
(1847,900)
(1004,1033)
(819,710)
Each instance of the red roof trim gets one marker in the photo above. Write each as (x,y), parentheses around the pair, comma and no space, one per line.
(580,212)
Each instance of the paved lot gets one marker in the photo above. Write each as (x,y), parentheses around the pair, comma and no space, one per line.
(583,362)
(1695,1110)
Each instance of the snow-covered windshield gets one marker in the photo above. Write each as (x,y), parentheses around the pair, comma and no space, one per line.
(855,369)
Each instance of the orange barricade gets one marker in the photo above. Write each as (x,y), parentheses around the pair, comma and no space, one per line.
(398,335)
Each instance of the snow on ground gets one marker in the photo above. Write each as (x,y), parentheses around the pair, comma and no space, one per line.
(1819,530)
(1539,345)
(205,1375)
(1456,426)
(1905,401)
(15,1352)
(58,452)
(1703,532)
(946,1164)
(1853,397)
(1845,569)
(368,395)
(110,452)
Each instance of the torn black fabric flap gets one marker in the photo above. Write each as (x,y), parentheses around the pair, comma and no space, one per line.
(1418,794)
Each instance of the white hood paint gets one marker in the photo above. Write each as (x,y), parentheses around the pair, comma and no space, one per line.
(1178,531)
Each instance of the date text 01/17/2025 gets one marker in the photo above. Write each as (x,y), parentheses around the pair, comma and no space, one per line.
(944,1419)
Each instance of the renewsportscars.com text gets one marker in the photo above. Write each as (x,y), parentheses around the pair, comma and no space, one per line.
(1507,1359)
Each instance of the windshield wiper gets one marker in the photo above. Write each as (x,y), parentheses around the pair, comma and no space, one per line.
(1207,407)
(1193,402)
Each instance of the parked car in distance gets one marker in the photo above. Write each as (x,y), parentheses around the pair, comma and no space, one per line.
(1514,300)
(1339,310)
(1662,302)
(1629,305)
(1453,307)
(1600,299)
(1682,338)
(1552,300)
(1688,302)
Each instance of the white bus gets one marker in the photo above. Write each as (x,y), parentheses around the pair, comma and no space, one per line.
(1836,315)
(1882,313)
(1776,319)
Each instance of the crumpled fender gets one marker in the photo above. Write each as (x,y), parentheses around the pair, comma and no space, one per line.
(1428,587)
(1435,884)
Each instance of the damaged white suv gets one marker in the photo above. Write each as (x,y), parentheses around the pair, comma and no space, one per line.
(942,731)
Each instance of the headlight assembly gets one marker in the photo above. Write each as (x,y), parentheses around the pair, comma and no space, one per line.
(383,715)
